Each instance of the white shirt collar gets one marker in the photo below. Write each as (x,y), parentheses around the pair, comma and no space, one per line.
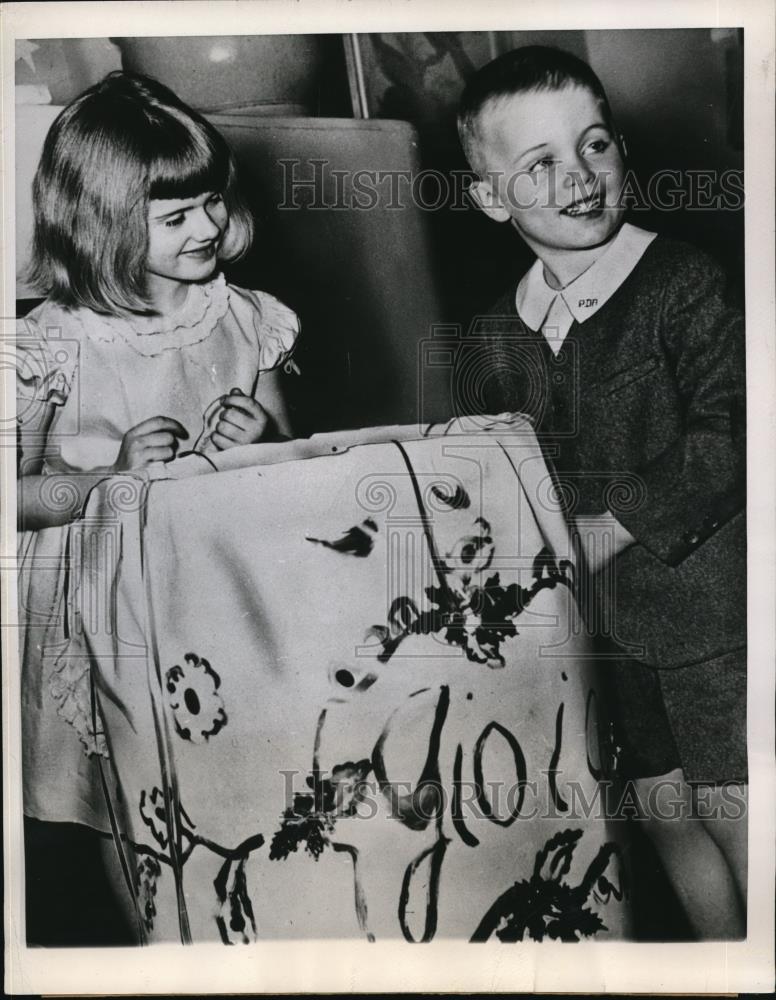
(540,306)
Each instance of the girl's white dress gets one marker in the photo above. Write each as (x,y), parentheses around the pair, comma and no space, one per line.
(106,375)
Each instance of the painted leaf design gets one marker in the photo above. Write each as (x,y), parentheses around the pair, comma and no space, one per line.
(346,788)
(357,541)
(554,860)
(545,905)
(313,815)
(469,609)
(458,500)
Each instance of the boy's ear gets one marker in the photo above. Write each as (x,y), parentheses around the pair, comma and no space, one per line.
(486,198)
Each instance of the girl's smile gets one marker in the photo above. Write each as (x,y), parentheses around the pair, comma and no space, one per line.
(184,235)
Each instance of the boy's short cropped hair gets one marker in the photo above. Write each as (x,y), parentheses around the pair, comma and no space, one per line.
(524,70)
(123,142)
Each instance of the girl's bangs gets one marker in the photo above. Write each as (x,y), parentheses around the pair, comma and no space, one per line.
(188,167)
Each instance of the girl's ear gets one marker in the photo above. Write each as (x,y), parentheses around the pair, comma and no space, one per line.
(486,198)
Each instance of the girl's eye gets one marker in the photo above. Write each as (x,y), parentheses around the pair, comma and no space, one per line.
(542,164)
(598,145)
(176,220)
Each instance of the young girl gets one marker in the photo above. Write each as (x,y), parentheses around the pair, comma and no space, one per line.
(140,351)
(622,347)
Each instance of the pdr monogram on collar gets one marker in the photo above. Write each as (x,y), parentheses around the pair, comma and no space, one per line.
(587,303)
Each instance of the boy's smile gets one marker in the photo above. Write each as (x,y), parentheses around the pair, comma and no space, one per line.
(555,171)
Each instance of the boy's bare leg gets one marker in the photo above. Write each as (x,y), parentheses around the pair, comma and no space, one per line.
(696,866)
(728,829)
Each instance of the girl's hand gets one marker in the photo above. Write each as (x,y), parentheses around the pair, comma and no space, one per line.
(152,440)
(241,421)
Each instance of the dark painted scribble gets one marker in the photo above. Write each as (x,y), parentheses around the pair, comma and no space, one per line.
(235,916)
(459,824)
(591,719)
(416,809)
(355,542)
(545,905)
(235,920)
(312,817)
(358,889)
(601,743)
(520,771)
(552,774)
(458,500)
(433,856)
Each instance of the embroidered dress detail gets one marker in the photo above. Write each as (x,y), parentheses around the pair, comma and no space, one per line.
(71,690)
(205,305)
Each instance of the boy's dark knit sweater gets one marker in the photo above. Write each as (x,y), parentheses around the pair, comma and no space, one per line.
(642,412)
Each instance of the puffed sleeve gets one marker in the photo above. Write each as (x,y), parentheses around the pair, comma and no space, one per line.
(46,361)
(277,329)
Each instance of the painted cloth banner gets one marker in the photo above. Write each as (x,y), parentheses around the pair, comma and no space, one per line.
(350,696)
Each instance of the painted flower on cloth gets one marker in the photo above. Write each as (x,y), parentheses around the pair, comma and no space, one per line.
(153,812)
(470,556)
(192,694)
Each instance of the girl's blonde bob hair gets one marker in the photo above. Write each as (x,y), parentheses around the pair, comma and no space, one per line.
(123,142)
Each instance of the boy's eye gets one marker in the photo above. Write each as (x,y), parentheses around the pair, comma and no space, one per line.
(216,199)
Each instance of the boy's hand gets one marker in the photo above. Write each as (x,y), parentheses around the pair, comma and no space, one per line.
(602,538)
(241,421)
(152,440)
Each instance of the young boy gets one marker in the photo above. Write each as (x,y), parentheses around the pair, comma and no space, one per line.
(621,346)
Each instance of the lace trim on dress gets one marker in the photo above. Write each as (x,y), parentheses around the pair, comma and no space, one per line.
(205,305)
